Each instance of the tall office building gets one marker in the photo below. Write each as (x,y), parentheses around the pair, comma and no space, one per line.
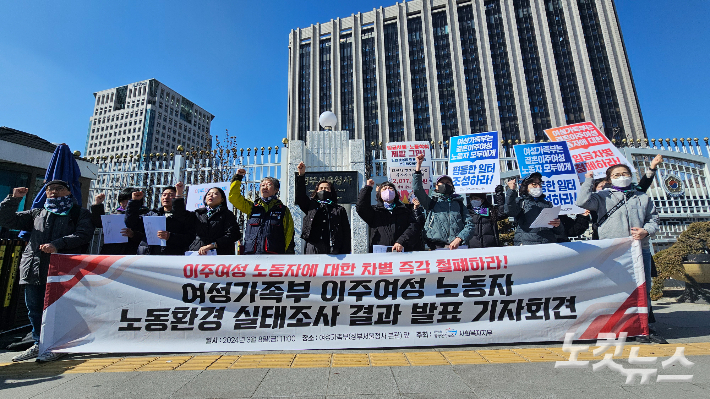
(143,118)
(432,69)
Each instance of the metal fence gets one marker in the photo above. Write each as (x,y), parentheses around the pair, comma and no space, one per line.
(684,159)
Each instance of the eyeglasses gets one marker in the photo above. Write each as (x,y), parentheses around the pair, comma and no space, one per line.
(617,175)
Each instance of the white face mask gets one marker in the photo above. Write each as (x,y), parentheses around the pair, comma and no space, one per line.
(476,203)
(622,182)
(535,191)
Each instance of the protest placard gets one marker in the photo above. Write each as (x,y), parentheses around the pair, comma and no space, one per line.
(196,194)
(474,163)
(560,183)
(401,163)
(153,304)
(591,150)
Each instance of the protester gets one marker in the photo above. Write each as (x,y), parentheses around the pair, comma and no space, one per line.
(326,226)
(448,223)
(179,231)
(623,211)
(391,222)
(526,207)
(97,210)
(216,227)
(61,226)
(485,218)
(269,229)
(420,219)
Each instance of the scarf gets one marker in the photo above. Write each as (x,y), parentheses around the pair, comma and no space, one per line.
(624,189)
(325,202)
(212,211)
(120,209)
(59,206)
(389,206)
(267,199)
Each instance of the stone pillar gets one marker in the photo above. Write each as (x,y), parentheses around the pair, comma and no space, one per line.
(328,151)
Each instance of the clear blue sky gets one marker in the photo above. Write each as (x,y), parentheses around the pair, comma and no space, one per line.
(231,58)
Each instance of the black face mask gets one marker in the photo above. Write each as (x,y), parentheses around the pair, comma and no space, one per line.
(444,189)
(323,195)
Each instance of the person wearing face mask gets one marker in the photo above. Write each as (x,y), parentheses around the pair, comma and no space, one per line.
(61,226)
(622,211)
(326,227)
(448,223)
(179,229)
(269,228)
(216,227)
(525,207)
(391,222)
(485,218)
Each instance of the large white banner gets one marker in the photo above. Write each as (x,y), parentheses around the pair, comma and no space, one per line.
(98,303)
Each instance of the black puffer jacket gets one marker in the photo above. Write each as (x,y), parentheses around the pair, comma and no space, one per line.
(337,221)
(121,248)
(220,228)
(525,210)
(485,226)
(388,228)
(178,224)
(45,228)
(573,227)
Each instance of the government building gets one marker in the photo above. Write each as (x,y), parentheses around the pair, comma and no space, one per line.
(143,118)
(432,69)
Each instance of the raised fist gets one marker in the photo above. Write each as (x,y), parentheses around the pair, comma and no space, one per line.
(589,175)
(371,183)
(241,172)
(180,188)
(511,184)
(137,195)
(301,169)
(656,161)
(99,199)
(420,158)
(20,192)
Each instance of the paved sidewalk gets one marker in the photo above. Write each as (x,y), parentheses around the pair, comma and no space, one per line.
(514,371)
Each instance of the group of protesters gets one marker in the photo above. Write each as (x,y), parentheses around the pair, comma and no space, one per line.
(615,206)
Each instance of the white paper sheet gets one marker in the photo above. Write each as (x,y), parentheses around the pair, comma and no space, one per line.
(381,249)
(112,226)
(545,217)
(211,252)
(154,224)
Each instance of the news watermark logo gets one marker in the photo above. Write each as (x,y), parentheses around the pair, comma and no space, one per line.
(606,341)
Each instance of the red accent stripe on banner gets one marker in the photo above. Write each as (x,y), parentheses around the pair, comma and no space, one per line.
(79,265)
(634,324)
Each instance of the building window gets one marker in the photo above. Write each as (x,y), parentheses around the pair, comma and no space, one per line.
(369,89)
(325,100)
(501,72)
(537,97)
(445,77)
(417,69)
(347,97)
(601,71)
(472,70)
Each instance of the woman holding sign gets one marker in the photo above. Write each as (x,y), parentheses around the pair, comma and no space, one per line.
(216,227)
(525,207)
(623,210)
(326,227)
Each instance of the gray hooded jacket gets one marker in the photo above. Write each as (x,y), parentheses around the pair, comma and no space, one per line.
(447,219)
(45,228)
(637,211)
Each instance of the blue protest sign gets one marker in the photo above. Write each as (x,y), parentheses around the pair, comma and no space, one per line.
(554,162)
(474,162)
